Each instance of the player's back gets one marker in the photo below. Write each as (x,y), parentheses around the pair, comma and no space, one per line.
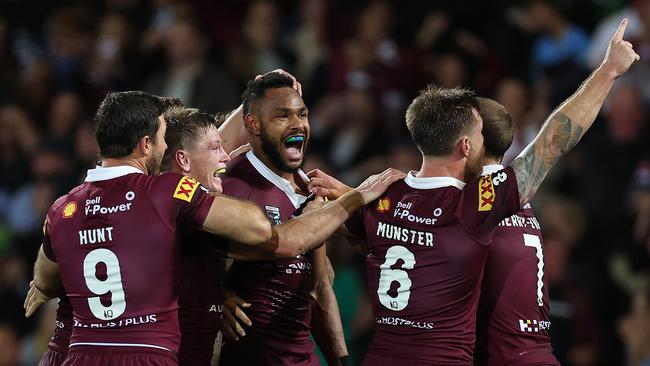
(114,239)
(427,244)
(279,290)
(513,318)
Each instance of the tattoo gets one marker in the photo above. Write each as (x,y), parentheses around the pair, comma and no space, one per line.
(557,136)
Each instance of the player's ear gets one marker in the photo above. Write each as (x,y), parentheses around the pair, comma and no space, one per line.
(252,124)
(144,145)
(463,146)
(182,158)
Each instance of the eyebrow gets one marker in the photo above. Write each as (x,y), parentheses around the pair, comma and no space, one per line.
(301,109)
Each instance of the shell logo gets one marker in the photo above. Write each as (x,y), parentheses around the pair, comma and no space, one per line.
(383,205)
(69,210)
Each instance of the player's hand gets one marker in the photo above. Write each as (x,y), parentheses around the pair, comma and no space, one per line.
(325,185)
(296,84)
(35,298)
(233,315)
(314,204)
(376,185)
(239,151)
(620,54)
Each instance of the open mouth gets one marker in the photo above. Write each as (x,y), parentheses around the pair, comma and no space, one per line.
(219,171)
(294,145)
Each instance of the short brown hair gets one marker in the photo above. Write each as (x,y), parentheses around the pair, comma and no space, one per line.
(438,116)
(497,128)
(184,126)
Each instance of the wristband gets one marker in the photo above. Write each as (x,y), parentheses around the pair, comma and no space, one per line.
(351,201)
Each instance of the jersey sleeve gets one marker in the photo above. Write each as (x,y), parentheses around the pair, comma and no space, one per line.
(486,201)
(182,199)
(355,223)
(47,244)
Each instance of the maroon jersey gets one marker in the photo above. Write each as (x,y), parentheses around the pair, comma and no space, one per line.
(115,240)
(513,321)
(427,245)
(278,290)
(200,297)
(63,327)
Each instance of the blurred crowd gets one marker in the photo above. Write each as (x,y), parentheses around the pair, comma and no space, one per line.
(360,64)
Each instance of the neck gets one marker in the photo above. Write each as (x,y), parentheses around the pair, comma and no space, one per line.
(447,166)
(127,161)
(491,161)
(256,148)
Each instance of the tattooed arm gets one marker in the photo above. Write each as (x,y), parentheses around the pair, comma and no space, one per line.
(566,125)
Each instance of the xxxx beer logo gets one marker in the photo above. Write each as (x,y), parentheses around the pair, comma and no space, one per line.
(486,193)
(185,189)
(383,205)
(69,209)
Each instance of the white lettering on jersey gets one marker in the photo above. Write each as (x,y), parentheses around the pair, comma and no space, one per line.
(404,235)
(96,236)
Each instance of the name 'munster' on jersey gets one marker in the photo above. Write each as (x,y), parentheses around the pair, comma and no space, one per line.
(427,245)
(513,316)
(115,240)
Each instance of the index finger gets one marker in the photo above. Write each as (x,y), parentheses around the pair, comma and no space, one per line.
(620,31)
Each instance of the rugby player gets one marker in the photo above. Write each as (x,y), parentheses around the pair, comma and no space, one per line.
(513,314)
(428,235)
(111,242)
(194,149)
(281,292)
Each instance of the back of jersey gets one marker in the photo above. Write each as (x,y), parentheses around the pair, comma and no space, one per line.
(427,245)
(116,245)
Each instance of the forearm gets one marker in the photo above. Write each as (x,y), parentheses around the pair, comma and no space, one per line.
(326,326)
(561,132)
(309,230)
(232,131)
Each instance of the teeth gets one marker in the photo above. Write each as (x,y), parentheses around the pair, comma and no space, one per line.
(220,171)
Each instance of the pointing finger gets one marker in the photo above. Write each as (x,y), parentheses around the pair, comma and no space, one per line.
(620,31)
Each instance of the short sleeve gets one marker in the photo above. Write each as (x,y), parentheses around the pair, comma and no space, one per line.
(47,244)
(183,198)
(355,223)
(486,201)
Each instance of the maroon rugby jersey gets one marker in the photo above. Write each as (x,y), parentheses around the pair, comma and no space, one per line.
(278,290)
(513,321)
(427,245)
(63,326)
(200,298)
(115,240)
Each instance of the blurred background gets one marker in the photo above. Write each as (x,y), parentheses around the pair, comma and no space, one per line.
(360,64)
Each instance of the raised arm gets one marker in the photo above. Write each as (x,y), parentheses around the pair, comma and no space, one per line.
(245,223)
(569,122)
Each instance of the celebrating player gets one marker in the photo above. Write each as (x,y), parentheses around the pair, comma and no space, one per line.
(428,236)
(111,242)
(513,322)
(281,292)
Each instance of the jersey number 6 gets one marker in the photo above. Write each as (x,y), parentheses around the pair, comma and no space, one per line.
(387,276)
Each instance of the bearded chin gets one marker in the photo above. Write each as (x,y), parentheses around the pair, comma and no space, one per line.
(272,150)
(153,166)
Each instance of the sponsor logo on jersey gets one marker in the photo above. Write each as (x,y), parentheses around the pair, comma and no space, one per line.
(486,193)
(69,210)
(94,205)
(530,326)
(273,213)
(185,189)
(383,205)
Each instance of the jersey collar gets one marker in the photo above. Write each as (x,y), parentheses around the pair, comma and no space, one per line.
(284,185)
(491,168)
(432,182)
(100,173)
